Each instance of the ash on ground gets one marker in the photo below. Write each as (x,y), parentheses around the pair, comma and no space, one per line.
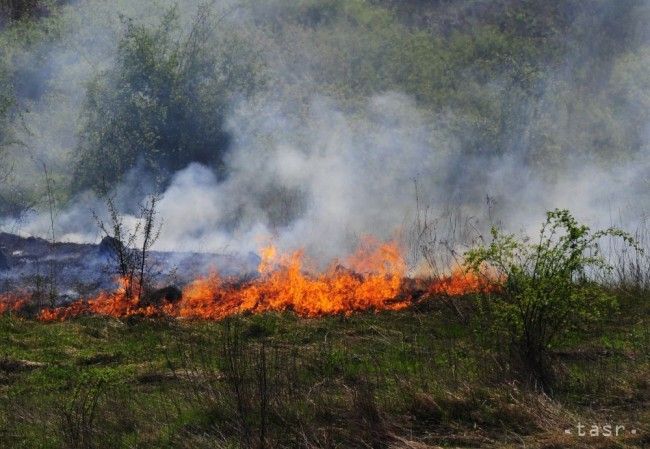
(83,270)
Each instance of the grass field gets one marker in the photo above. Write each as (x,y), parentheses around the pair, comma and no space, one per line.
(412,379)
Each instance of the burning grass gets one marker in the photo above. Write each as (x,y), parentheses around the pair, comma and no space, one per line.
(13,302)
(372,279)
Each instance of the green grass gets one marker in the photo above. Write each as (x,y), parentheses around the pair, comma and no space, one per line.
(416,378)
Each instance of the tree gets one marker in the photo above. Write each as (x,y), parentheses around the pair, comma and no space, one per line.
(163,104)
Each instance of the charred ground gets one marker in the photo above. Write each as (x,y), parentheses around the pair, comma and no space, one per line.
(81,270)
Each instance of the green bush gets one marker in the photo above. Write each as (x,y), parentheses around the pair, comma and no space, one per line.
(547,288)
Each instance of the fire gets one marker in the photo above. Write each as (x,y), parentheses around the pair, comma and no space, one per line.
(462,282)
(12,302)
(371,279)
(117,304)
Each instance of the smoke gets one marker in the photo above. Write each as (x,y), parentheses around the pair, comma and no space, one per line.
(308,170)
(321,184)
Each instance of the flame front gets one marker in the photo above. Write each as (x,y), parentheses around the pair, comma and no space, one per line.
(121,303)
(370,279)
(461,282)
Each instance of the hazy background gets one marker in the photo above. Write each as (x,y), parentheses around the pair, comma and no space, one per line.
(310,122)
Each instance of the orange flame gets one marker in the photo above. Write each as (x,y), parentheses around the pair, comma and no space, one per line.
(284,286)
(12,302)
(461,282)
(371,279)
(117,304)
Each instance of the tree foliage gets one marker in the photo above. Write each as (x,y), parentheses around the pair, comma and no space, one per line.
(163,104)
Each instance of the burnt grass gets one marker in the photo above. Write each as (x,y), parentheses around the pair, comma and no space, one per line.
(419,378)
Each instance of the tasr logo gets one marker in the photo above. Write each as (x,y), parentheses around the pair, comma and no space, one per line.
(598,430)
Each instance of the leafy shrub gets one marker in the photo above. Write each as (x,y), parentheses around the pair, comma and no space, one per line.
(163,104)
(547,287)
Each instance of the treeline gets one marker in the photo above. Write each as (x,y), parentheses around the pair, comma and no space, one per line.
(545,80)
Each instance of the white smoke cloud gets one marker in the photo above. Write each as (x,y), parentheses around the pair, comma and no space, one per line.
(352,176)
